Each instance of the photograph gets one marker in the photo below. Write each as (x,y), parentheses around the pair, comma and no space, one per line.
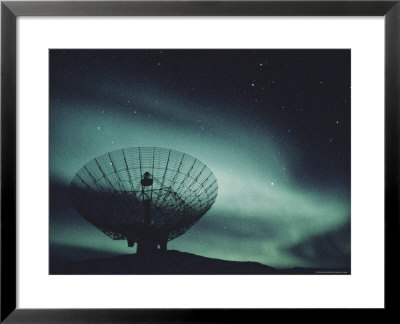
(199,161)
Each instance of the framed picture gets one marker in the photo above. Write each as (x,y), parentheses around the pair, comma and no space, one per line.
(187,147)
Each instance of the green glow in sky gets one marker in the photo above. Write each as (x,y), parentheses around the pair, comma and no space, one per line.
(265,210)
(259,212)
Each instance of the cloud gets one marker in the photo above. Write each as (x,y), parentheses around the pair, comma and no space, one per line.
(329,249)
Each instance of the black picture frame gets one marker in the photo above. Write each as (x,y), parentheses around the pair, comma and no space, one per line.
(10,10)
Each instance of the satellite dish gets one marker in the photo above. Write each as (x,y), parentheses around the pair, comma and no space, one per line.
(145,195)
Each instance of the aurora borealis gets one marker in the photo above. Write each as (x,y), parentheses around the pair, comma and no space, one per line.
(272,125)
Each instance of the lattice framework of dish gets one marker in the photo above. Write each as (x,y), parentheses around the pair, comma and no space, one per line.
(107,191)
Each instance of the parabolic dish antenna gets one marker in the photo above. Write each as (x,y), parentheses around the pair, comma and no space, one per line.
(146,195)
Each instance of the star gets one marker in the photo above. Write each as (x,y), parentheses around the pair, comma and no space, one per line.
(98,128)
(272,184)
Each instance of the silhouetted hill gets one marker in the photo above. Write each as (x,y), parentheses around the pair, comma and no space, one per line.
(169,262)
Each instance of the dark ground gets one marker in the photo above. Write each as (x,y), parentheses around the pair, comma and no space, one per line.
(175,262)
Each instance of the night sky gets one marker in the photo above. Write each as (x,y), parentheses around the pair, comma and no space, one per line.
(273,126)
